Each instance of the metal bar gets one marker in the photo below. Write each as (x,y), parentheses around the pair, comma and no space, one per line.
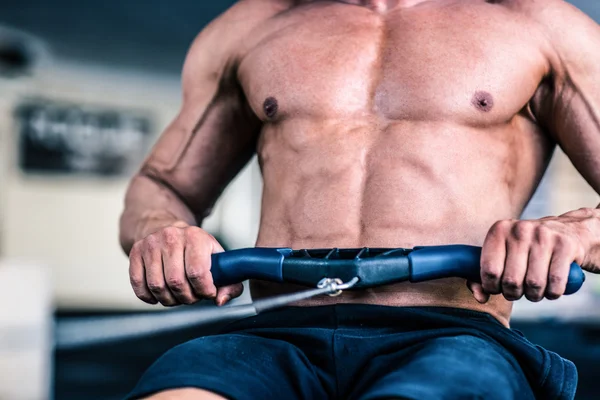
(95,331)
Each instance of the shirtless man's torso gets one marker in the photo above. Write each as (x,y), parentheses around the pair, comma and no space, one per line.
(377,123)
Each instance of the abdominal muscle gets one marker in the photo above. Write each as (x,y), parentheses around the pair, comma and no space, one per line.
(402,186)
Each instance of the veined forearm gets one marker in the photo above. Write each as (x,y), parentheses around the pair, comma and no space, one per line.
(150,206)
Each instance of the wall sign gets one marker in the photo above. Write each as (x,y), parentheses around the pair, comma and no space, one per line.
(65,138)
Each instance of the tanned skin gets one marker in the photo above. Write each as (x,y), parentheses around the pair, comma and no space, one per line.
(384,124)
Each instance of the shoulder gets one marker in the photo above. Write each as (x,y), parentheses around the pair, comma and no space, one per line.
(533,5)
(571,36)
(243,16)
(219,44)
(551,14)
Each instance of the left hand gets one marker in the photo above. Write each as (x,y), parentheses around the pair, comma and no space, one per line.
(532,258)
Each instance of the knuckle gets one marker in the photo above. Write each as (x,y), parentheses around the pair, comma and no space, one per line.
(543,234)
(504,224)
(175,283)
(490,283)
(534,284)
(156,287)
(152,242)
(486,266)
(143,296)
(511,284)
(522,230)
(193,232)
(490,275)
(198,274)
(555,279)
(136,249)
(501,227)
(136,282)
(171,236)
(203,287)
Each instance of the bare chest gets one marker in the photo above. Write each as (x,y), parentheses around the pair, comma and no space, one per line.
(467,60)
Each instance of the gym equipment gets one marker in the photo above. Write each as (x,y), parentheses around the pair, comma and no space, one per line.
(327,271)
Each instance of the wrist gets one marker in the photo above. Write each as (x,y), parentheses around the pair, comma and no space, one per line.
(153,221)
(587,230)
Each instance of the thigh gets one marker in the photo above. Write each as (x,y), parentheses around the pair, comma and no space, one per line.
(458,367)
(234,366)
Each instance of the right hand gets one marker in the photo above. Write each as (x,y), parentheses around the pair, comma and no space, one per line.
(172,266)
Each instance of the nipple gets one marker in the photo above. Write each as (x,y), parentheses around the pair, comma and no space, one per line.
(483,101)
(270,107)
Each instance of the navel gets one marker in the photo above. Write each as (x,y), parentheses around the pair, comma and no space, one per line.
(270,107)
(483,101)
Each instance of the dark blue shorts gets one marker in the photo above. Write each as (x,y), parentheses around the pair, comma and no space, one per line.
(352,351)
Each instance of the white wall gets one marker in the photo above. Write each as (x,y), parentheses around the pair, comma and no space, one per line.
(70,223)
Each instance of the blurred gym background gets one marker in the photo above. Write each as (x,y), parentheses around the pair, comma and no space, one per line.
(86,87)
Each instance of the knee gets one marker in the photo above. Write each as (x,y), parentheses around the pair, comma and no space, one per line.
(185,394)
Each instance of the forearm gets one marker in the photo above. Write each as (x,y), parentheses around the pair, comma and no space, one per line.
(149,206)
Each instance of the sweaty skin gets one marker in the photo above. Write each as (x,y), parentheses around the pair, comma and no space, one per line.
(378,123)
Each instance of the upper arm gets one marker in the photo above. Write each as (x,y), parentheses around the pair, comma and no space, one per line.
(214,134)
(568,102)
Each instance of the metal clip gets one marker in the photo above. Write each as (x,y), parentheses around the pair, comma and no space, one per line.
(335,285)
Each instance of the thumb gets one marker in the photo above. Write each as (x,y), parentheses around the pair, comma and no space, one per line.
(477,289)
(226,293)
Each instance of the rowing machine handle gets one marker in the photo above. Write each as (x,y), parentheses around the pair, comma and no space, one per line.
(435,262)
(425,263)
(236,266)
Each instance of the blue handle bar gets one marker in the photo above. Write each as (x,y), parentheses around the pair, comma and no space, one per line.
(463,261)
(373,266)
(236,266)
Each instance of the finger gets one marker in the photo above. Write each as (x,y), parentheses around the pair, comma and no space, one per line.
(559,272)
(226,293)
(478,292)
(493,256)
(197,263)
(174,267)
(536,278)
(216,246)
(155,277)
(137,276)
(515,269)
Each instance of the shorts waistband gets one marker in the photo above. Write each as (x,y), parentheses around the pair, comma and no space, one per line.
(364,315)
